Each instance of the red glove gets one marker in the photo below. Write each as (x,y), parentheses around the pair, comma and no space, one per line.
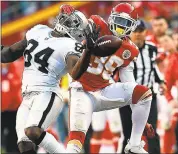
(149,131)
(67,9)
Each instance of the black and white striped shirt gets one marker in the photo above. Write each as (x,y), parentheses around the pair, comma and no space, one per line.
(146,71)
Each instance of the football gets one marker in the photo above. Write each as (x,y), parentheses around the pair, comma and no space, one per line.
(106,46)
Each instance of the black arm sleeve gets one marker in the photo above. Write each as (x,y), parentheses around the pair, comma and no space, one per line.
(12,53)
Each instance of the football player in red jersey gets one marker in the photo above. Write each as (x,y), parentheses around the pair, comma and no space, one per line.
(93,91)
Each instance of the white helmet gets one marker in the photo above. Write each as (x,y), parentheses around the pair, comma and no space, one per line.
(73,25)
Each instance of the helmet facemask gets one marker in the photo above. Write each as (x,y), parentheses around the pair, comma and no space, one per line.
(121,24)
(72,25)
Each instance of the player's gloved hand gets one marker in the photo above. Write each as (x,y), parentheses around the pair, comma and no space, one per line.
(149,131)
(94,29)
(67,9)
(89,43)
(91,33)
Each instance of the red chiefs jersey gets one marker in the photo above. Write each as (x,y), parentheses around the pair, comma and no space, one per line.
(100,69)
(171,74)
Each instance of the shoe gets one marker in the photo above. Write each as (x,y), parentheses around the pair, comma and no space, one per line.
(129,149)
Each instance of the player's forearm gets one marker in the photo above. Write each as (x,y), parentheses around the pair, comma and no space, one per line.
(82,65)
(7,56)
(12,53)
(126,73)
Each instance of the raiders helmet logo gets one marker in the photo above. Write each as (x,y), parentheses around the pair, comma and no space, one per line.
(126,54)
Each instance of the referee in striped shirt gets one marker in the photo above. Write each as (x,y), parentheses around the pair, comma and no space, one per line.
(146,73)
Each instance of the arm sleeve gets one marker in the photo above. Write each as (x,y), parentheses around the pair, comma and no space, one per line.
(35,31)
(126,73)
(12,53)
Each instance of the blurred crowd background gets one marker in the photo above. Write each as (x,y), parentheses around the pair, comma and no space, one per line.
(18,17)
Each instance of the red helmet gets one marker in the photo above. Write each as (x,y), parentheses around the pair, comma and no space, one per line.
(123,19)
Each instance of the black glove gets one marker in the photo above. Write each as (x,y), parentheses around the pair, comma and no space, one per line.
(95,30)
(91,34)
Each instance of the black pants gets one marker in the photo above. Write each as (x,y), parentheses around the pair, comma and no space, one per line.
(154,143)
(8,132)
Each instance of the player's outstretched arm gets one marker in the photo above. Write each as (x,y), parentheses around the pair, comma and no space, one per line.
(77,66)
(12,53)
(126,73)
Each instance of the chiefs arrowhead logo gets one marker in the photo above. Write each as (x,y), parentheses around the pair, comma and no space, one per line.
(126,54)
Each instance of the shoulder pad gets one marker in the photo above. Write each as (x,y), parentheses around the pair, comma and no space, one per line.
(37,27)
(34,30)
